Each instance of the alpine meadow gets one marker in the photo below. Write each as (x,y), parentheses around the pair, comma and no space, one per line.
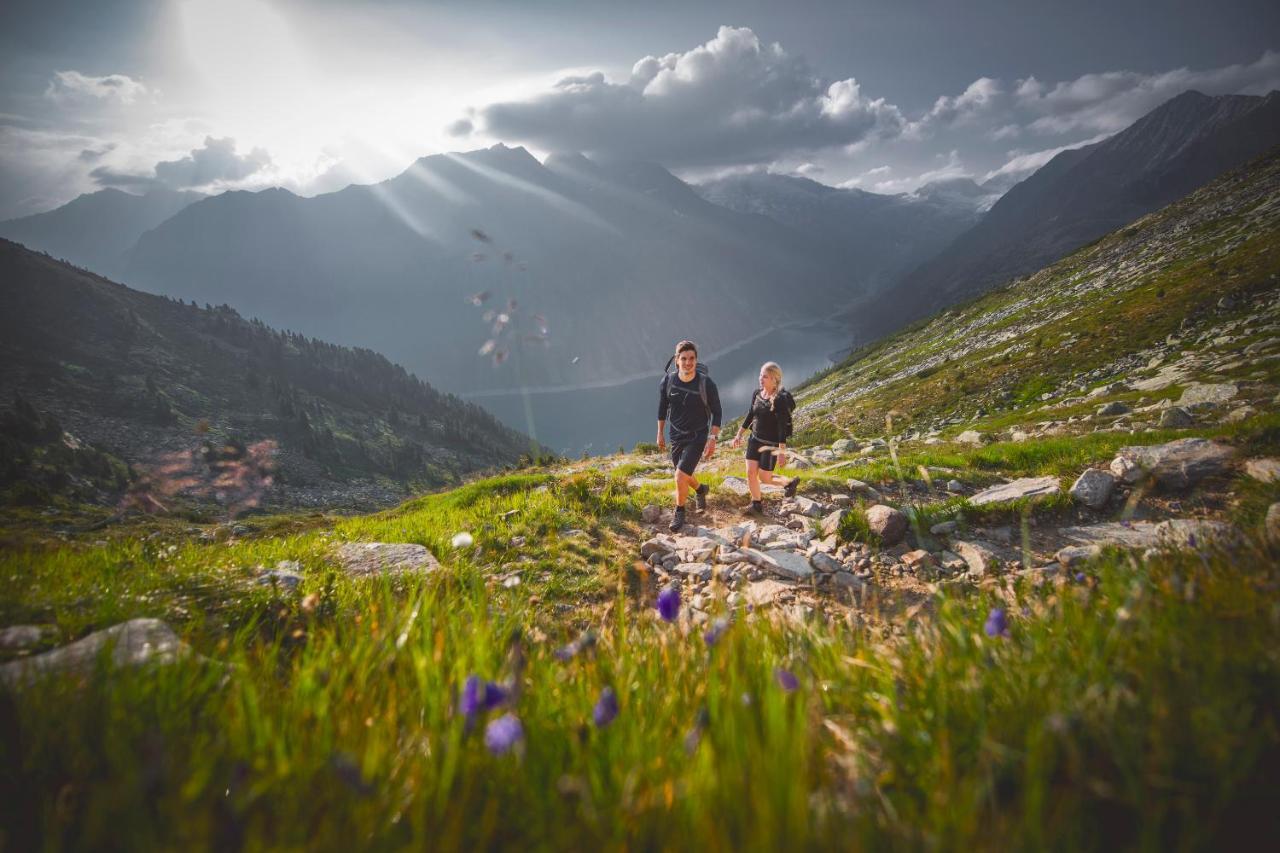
(332,511)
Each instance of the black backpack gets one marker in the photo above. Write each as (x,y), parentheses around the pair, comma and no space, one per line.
(701,371)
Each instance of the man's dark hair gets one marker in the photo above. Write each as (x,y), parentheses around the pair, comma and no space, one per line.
(685,346)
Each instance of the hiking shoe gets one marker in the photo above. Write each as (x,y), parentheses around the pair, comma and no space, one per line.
(700,495)
(677,519)
(756,508)
(790,488)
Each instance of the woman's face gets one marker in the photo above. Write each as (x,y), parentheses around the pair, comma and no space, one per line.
(767,382)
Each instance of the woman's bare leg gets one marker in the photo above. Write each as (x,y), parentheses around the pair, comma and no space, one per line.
(753,479)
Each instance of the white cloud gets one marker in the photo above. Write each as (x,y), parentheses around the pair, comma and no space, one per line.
(1112,100)
(1021,164)
(73,86)
(215,164)
(732,100)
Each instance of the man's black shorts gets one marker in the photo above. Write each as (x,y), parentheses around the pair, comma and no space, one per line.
(755,453)
(685,456)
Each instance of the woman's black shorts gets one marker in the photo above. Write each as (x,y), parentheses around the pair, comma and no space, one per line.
(755,453)
(685,456)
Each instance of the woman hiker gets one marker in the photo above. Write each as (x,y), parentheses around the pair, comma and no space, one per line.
(687,400)
(769,419)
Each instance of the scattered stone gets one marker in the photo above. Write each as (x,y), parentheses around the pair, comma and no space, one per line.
(863,490)
(133,643)
(798,462)
(1176,417)
(661,545)
(944,528)
(955,487)
(1093,488)
(381,558)
(1115,407)
(1074,555)
(804,506)
(978,556)
(18,638)
(1198,533)
(1125,470)
(1265,470)
(1239,414)
(1024,487)
(887,523)
(788,564)
(652,514)
(919,560)
(971,436)
(283,579)
(1135,534)
(1197,394)
(825,563)
(844,445)
(699,571)
(1180,463)
(1272,523)
(767,591)
(831,522)
(952,562)
(1018,435)
(849,581)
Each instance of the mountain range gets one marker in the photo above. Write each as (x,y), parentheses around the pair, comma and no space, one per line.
(1084,193)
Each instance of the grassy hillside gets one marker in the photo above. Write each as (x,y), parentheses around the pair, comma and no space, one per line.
(142,378)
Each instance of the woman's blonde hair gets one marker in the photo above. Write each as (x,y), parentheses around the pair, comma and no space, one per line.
(772,369)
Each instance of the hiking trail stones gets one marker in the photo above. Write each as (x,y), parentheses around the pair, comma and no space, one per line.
(132,644)
(1178,464)
(887,523)
(363,559)
(980,557)
(1093,488)
(1024,487)
(831,522)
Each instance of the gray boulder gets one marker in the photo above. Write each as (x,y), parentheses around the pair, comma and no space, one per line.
(825,563)
(1180,463)
(887,523)
(1198,533)
(1093,488)
(131,644)
(1074,555)
(1266,470)
(787,564)
(1176,417)
(1197,394)
(978,556)
(844,445)
(661,545)
(365,559)
(1024,487)
(971,436)
(20,637)
(831,522)
(1115,407)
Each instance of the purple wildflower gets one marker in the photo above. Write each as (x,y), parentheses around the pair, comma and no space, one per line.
(606,708)
(669,603)
(1080,577)
(786,679)
(503,733)
(716,631)
(997,623)
(480,695)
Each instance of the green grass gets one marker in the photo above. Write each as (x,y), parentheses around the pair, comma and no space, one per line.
(1139,709)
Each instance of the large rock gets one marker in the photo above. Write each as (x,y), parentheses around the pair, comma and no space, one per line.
(787,564)
(661,545)
(887,523)
(1197,394)
(1198,533)
(131,644)
(1024,487)
(971,436)
(1176,417)
(978,556)
(1180,463)
(1126,470)
(825,563)
(831,522)
(1115,407)
(844,445)
(364,559)
(1075,555)
(1093,488)
(1136,534)
(1263,470)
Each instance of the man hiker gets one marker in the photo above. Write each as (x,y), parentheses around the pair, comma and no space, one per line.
(687,400)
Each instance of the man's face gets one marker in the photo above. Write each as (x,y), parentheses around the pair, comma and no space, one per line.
(688,361)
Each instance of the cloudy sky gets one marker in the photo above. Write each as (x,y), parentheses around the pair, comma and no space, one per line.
(884,96)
